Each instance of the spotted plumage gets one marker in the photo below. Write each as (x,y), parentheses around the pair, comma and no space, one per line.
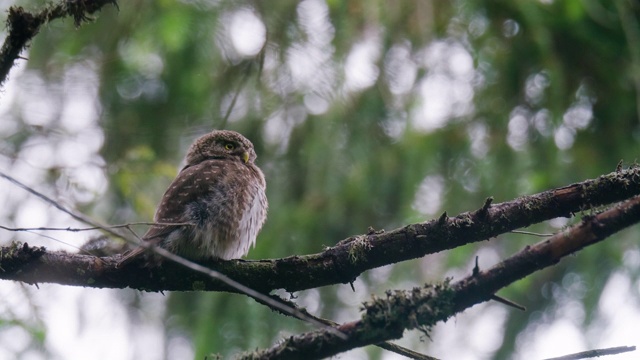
(220,193)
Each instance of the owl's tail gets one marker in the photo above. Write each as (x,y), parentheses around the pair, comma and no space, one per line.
(131,255)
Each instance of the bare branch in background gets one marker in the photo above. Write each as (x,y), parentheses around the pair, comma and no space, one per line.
(596,353)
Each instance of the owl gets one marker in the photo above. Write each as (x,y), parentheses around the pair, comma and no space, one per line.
(220,194)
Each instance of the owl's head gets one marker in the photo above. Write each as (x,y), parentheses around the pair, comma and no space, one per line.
(221,144)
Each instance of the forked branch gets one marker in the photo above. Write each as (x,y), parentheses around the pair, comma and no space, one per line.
(388,318)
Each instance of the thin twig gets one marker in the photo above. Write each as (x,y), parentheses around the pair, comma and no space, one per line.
(58,240)
(241,83)
(258,296)
(70,229)
(530,233)
(596,353)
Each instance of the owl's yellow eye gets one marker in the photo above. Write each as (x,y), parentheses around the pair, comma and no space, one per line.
(229,146)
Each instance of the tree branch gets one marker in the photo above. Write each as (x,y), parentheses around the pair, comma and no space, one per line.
(386,319)
(339,264)
(23,26)
(596,353)
(384,345)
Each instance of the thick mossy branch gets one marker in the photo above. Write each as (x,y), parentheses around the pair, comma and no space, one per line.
(14,256)
(382,319)
(387,318)
(345,261)
(22,26)
(420,307)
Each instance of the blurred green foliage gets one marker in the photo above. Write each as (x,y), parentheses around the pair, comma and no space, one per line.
(352,106)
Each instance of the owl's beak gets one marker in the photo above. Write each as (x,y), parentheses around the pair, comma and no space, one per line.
(245,157)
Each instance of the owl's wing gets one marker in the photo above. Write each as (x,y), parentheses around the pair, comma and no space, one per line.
(192,183)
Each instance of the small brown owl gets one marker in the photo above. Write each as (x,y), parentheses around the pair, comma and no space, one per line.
(220,193)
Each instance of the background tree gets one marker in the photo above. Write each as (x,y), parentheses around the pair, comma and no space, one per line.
(363,114)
